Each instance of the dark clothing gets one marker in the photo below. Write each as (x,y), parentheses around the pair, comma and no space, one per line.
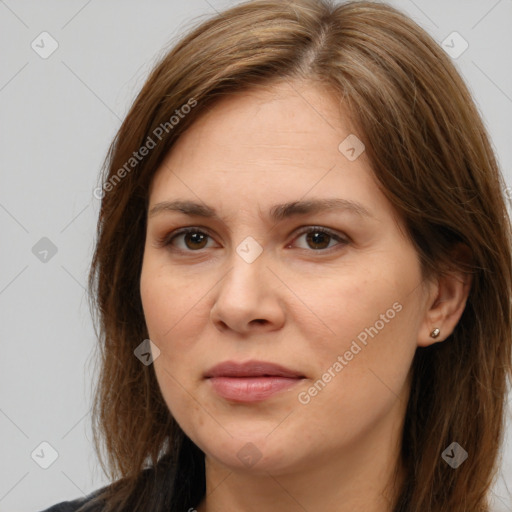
(72,506)
(161,488)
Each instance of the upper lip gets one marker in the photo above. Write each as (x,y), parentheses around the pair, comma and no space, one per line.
(251,369)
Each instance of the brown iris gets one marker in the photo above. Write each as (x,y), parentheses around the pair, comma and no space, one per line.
(195,240)
(318,240)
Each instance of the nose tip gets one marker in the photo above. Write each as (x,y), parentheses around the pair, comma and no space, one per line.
(245,299)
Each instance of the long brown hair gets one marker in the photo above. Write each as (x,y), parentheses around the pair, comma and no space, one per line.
(433,159)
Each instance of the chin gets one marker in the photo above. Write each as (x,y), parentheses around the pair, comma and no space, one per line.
(258,451)
(249,457)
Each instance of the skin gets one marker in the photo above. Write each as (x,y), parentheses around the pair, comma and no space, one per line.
(296,305)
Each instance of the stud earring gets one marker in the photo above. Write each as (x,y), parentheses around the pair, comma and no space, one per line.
(435,333)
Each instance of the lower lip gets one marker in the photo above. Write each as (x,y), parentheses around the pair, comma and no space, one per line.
(250,389)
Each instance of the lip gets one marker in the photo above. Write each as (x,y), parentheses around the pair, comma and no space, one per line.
(252,381)
(251,369)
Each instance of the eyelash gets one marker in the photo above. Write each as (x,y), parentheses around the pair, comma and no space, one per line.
(167,240)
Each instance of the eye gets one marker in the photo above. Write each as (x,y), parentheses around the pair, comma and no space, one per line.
(186,239)
(319,238)
(192,239)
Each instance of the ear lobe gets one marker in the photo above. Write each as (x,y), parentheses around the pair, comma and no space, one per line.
(447,301)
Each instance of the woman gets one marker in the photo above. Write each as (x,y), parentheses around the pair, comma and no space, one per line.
(302,274)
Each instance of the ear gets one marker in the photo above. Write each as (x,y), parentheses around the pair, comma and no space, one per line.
(446,300)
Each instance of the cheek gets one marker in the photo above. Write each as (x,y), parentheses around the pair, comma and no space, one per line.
(168,302)
(351,303)
(362,338)
(358,384)
(173,317)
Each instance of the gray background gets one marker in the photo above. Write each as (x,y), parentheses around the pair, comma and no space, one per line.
(58,117)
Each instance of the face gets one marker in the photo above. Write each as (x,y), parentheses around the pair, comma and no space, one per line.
(293,257)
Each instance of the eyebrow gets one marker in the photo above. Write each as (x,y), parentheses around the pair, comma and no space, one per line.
(277,212)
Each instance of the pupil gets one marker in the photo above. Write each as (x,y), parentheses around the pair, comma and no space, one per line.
(315,238)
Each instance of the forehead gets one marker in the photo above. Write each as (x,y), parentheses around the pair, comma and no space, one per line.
(293,116)
(272,131)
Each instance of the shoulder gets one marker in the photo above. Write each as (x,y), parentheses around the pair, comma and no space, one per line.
(152,481)
(74,505)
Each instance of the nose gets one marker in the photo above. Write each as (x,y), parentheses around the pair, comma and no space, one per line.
(247,299)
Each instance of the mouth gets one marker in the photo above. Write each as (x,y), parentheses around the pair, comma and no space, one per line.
(252,381)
